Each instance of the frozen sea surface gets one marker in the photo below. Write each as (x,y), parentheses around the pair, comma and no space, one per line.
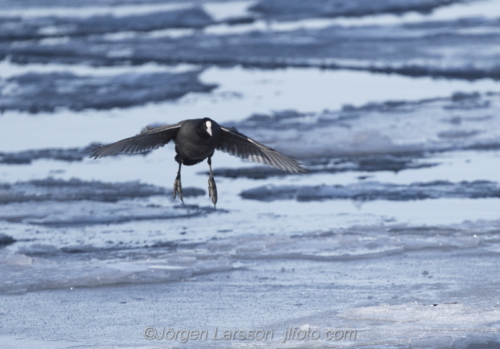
(391,240)
(37,92)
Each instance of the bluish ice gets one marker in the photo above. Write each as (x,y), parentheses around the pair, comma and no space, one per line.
(391,240)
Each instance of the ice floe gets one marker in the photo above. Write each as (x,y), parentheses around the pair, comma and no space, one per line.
(38,92)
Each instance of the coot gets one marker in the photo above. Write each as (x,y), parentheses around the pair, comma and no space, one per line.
(196,140)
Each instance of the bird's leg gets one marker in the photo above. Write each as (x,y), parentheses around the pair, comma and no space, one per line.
(212,188)
(177,184)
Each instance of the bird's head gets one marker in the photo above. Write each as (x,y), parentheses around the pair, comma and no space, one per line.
(205,128)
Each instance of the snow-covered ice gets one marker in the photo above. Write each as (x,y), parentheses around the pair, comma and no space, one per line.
(389,241)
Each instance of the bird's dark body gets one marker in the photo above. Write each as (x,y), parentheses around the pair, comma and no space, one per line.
(196,140)
(193,145)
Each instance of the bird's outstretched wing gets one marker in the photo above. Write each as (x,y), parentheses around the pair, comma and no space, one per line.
(236,143)
(148,139)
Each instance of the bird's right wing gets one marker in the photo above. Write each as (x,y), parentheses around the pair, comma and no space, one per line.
(148,139)
(236,143)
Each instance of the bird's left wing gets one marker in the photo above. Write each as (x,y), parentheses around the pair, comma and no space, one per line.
(236,143)
(148,139)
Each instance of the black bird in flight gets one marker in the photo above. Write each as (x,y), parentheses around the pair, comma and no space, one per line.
(196,140)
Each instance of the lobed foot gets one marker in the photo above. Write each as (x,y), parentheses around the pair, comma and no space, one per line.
(212,189)
(177,188)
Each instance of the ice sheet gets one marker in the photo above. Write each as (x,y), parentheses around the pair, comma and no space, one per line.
(94,251)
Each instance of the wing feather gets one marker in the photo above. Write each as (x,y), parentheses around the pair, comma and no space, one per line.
(236,143)
(149,139)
